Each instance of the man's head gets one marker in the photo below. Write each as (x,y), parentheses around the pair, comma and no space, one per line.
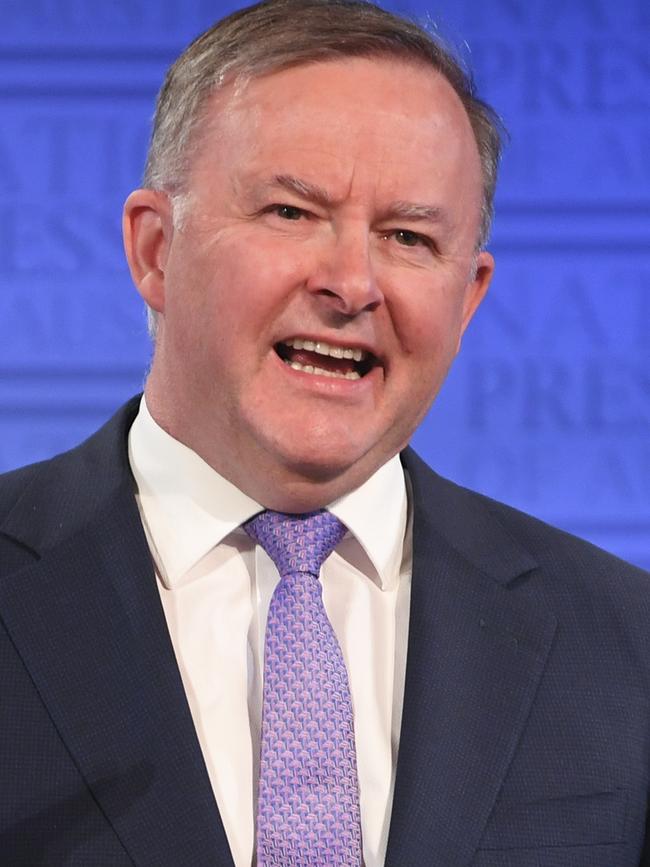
(278,34)
(320,173)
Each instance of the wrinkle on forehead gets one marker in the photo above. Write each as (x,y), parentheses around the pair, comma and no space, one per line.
(251,94)
(381,142)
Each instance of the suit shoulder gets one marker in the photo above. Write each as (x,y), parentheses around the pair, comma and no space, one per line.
(559,548)
(14,483)
(474,521)
(598,600)
(47,501)
(47,479)
(15,550)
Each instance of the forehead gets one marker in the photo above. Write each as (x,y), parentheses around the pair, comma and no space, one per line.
(380,117)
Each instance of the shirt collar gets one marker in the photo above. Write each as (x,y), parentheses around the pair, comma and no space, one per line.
(376,514)
(188,508)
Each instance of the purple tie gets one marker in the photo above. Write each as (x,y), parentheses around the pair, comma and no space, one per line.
(308,808)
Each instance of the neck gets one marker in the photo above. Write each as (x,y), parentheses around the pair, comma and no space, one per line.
(281,486)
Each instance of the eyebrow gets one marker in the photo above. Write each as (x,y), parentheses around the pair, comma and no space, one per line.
(402,210)
(299,187)
(398,210)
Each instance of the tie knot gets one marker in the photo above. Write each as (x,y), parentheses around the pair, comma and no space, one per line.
(296,543)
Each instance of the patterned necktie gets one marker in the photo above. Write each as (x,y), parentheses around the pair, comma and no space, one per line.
(308,808)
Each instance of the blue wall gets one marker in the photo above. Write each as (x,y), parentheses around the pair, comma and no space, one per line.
(548,406)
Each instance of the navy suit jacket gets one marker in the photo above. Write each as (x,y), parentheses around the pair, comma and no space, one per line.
(525,736)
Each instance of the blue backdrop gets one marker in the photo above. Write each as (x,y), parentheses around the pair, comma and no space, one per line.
(547,408)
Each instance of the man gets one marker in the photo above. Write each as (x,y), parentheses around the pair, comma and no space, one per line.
(310,243)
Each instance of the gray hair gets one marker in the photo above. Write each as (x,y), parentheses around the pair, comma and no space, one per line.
(277,34)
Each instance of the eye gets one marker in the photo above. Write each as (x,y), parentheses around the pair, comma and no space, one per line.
(288,212)
(409,239)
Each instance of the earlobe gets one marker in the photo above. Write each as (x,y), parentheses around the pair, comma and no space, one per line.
(147,230)
(476,290)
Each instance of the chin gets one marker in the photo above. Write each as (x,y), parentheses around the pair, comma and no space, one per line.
(322,465)
(321,452)
(319,469)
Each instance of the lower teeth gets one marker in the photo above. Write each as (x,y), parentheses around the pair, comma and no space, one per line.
(308,368)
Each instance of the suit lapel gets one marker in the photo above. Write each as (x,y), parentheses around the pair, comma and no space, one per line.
(87,621)
(476,652)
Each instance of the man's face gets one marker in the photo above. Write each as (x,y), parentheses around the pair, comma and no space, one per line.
(333,211)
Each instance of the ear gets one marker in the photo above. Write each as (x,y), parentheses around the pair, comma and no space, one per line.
(475,290)
(147,228)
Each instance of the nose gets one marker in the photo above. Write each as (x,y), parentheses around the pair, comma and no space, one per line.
(345,277)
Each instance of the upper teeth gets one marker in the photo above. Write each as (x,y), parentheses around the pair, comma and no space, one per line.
(323,348)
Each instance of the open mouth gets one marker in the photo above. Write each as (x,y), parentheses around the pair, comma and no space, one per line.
(324,359)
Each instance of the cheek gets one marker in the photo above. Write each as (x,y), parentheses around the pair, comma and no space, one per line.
(425,324)
(249,274)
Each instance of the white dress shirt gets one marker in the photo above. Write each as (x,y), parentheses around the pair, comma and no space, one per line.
(216,584)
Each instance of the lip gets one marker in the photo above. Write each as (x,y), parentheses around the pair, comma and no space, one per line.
(306,335)
(328,386)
